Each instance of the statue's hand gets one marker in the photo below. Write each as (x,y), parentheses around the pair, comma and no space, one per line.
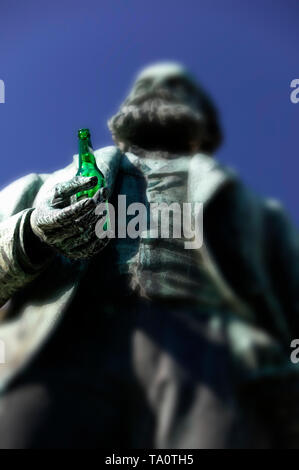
(70,228)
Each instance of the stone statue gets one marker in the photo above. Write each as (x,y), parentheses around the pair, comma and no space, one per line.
(139,342)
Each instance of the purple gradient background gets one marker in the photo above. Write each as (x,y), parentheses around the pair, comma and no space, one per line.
(68,64)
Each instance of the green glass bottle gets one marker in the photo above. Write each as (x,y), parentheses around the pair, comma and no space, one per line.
(87,164)
(87,167)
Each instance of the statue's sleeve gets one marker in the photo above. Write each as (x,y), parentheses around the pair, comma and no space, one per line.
(16,267)
(282,258)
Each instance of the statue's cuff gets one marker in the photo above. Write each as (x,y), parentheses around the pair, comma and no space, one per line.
(16,267)
(32,254)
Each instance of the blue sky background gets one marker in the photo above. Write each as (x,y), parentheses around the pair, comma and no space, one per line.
(68,64)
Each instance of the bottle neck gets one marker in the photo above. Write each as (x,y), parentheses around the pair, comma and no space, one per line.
(85,152)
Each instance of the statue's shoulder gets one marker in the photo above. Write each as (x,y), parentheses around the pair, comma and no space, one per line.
(28,190)
(207,176)
(107,154)
(278,222)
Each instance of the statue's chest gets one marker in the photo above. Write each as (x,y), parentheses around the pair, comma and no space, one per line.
(157,259)
(154,181)
(150,198)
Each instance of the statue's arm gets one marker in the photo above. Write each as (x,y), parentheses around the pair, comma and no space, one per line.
(22,255)
(33,230)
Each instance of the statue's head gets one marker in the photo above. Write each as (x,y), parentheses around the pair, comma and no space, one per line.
(167,110)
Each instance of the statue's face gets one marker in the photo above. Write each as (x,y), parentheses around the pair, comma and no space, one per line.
(164,111)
